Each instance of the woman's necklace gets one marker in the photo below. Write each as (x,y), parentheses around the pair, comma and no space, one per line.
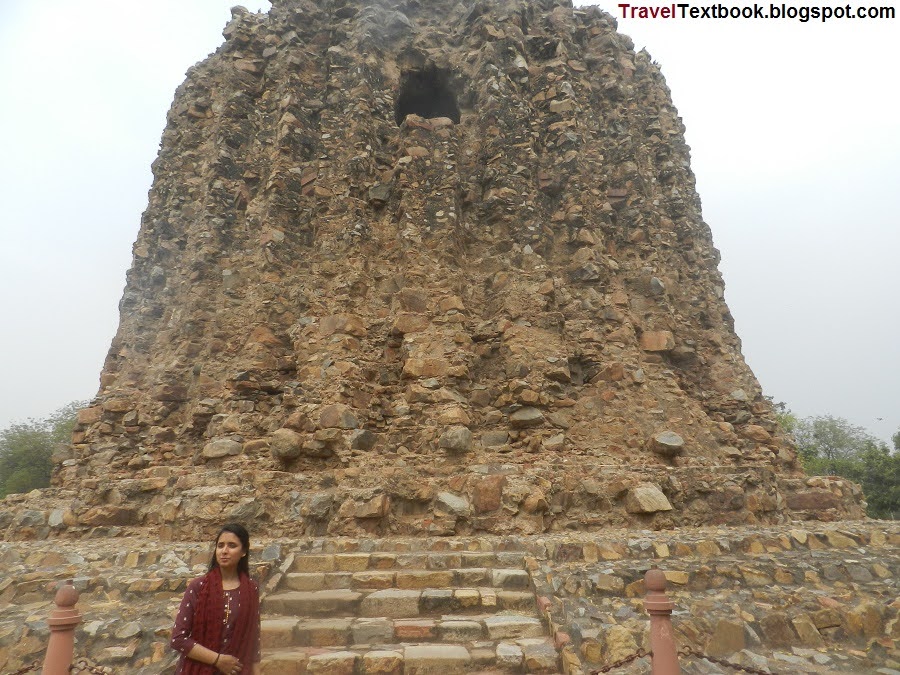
(227,608)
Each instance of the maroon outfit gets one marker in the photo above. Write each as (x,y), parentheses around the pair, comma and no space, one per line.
(202,619)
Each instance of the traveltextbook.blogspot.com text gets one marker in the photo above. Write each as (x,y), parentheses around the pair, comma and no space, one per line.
(773,10)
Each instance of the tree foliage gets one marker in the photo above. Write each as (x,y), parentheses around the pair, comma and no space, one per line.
(831,445)
(26,449)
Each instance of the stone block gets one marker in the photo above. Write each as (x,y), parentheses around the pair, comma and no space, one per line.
(511,579)
(666,443)
(222,447)
(382,662)
(332,663)
(472,576)
(337,416)
(274,633)
(646,498)
(311,603)
(304,581)
(283,663)
(372,631)
(424,578)
(438,601)
(457,438)
(435,659)
(727,638)
(351,562)
(415,629)
(373,580)
(488,492)
(526,417)
(330,632)
(452,504)
(466,597)
(776,630)
(516,600)
(313,563)
(509,656)
(512,626)
(807,632)
(391,603)
(460,631)
(657,341)
(539,656)
(286,444)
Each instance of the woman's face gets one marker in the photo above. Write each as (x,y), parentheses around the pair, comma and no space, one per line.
(229,551)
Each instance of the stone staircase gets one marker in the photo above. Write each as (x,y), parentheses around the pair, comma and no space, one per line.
(422,612)
(799,598)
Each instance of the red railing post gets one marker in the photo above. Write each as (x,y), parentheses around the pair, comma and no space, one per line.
(62,624)
(662,638)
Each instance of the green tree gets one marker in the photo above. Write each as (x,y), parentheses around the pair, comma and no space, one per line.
(786,419)
(829,442)
(832,446)
(880,480)
(26,448)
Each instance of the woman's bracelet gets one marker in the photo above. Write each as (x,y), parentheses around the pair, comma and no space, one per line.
(217,660)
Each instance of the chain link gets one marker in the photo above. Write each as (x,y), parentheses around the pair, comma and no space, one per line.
(31,668)
(82,666)
(640,653)
(690,651)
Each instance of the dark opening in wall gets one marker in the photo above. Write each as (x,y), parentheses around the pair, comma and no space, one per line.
(426,93)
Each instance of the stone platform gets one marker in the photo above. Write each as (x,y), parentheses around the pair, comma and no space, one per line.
(799,598)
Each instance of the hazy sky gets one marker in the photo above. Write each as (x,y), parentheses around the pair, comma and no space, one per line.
(795,136)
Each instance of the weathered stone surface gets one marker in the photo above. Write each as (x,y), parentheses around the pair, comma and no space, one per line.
(344,276)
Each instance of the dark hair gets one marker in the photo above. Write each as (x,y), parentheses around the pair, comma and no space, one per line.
(241,533)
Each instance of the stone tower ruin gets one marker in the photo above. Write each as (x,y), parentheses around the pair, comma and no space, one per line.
(425,268)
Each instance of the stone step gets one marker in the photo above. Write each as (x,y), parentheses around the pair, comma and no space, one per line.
(530,655)
(787,569)
(503,578)
(396,603)
(420,560)
(284,632)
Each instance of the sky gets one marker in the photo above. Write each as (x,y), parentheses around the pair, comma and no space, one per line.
(794,131)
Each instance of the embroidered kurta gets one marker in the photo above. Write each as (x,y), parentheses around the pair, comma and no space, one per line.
(184,621)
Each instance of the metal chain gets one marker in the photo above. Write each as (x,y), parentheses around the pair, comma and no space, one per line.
(82,666)
(690,651)
(31,668)
(640,653)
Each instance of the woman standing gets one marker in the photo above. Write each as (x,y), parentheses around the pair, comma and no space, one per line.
(217,626)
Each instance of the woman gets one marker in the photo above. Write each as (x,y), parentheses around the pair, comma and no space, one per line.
(217,626)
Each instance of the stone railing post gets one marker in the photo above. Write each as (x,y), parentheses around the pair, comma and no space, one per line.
(662,638)
(62,624)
